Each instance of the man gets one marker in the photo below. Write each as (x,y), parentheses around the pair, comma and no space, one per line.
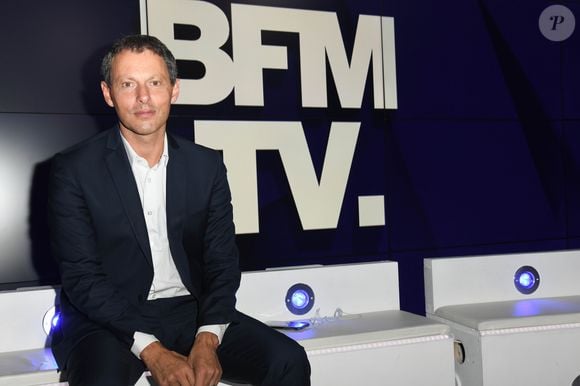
(141,227)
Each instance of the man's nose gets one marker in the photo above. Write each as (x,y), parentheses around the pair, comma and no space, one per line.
(142,94)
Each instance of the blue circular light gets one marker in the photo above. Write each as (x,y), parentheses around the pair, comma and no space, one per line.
(299,299)
(526,279)
(55,320)
(50,320)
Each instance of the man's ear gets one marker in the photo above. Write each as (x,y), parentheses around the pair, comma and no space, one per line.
(107,93)
(175,91)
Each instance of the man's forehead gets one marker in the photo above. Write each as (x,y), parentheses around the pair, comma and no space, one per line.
(137,57)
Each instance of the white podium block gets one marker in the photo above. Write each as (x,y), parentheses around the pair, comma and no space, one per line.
(379,348)
(506,337)
(372,342)
(357,334)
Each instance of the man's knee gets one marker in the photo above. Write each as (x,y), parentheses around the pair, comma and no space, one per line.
(291,364)
(100,360)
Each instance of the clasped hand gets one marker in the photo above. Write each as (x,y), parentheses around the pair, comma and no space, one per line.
(200,368)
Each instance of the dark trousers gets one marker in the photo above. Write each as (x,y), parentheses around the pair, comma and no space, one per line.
(250,352)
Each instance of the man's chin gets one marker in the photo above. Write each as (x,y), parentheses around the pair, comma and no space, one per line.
(144,129)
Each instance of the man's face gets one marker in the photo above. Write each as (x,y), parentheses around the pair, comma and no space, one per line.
(140,92)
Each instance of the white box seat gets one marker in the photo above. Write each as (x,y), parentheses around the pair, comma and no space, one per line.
(514,313)
(505,336)
(371,343)
(371,328)
(28,367)
(378,348)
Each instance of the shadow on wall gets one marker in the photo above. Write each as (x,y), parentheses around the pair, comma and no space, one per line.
(43,262)
(99,117)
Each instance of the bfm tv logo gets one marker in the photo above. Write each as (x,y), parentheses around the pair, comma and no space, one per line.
(318,201)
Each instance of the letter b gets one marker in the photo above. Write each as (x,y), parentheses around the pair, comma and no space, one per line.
(218,81)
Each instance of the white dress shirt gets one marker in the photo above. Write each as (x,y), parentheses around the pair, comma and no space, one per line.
(151,184)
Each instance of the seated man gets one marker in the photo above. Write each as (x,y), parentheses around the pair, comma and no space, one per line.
(141,226)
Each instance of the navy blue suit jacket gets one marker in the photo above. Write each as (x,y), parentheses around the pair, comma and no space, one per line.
(99,238)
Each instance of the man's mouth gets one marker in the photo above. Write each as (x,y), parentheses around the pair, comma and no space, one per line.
(144,113)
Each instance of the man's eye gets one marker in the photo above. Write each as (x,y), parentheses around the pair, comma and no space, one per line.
(156,83)
(126,84)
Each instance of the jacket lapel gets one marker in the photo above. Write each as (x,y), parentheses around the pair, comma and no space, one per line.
(176,206)
(118,165)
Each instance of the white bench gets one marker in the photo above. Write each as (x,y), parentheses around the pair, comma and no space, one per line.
(372,343)
(368,341)
(506,337)
(25,358)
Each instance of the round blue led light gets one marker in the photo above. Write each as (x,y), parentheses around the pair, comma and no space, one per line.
(299,299)
(50,320)
(55,319)
(526,279)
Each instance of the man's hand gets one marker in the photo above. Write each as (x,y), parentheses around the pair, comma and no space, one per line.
(167,367)
(204,361)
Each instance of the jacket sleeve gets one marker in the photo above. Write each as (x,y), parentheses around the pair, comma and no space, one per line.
(221,276)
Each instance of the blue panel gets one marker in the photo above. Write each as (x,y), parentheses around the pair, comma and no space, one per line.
(573,243)
(571,152)
(472,183)
(530,63)
(480,59)
(446,65)
(570,80)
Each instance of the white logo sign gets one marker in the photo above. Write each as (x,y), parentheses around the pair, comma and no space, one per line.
(321,46)
(320,42)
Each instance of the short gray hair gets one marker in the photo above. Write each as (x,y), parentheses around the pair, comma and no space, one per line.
(139,43)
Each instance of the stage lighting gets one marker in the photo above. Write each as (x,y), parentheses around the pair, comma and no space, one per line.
(526,279)
(50,320)
(299,299)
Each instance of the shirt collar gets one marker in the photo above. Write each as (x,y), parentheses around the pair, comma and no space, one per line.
(134,157)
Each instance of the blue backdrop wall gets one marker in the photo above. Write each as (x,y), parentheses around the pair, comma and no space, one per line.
(480,154)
